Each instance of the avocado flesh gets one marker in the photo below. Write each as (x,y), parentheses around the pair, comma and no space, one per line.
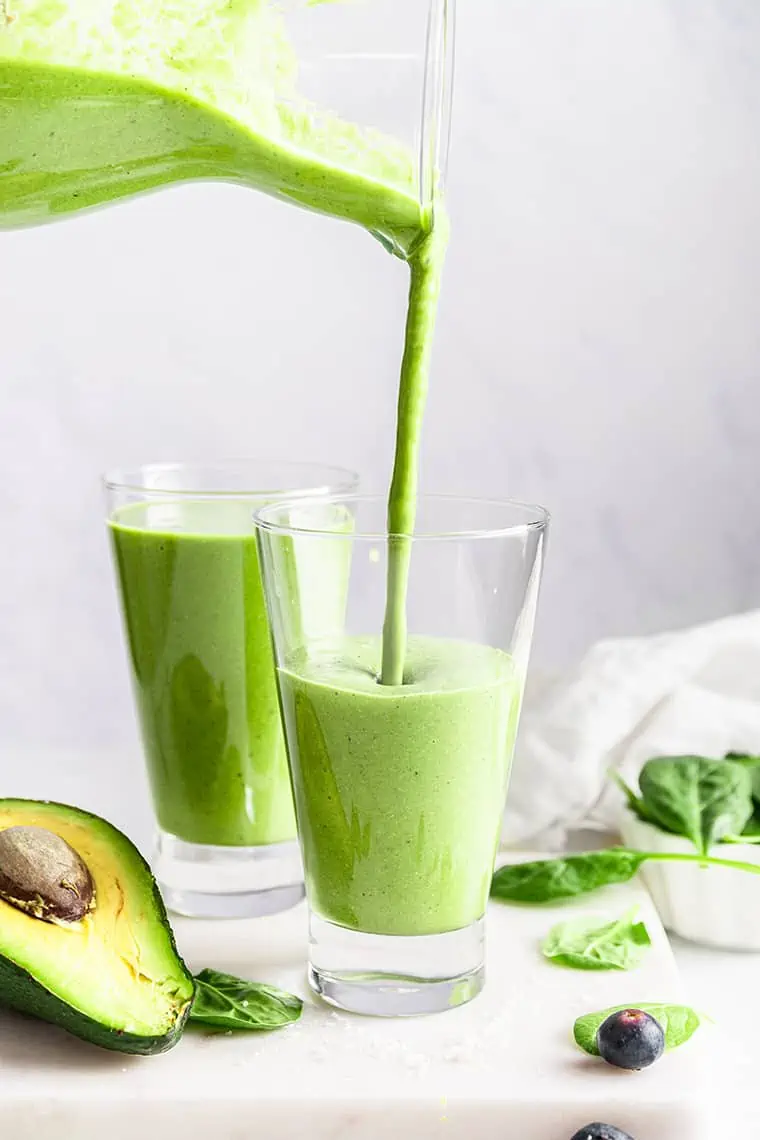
(114,977)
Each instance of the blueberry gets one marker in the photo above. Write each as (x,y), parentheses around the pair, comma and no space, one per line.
(601,1132)
(630,1039)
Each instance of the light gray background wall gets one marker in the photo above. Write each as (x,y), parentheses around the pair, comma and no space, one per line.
(599,345)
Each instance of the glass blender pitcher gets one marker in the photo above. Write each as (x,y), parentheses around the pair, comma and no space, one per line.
(340,106)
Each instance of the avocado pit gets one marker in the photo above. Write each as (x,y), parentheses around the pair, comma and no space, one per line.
(43,876)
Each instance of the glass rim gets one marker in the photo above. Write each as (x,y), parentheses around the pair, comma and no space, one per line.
(327,481)
(537,519)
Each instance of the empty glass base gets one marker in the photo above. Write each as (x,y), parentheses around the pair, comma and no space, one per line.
(391,976)
(201,881)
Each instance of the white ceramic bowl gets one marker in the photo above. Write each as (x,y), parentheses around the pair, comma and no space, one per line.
(716,906)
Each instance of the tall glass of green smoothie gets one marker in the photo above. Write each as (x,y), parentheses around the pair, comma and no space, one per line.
(400,787)
(187,566)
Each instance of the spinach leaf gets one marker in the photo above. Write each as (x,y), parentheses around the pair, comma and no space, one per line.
(751,832)
(752,764)
(679,1023)
(551,880)
(587,944)
(701,799)
(226,1002)
(746,758)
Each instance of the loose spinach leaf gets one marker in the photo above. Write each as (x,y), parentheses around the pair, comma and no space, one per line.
(226,1002)
(701,799)
(587,944)
(552,880)
(679,1023)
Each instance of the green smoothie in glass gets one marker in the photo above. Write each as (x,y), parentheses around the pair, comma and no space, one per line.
(202,664)
(400,789)
(187,567)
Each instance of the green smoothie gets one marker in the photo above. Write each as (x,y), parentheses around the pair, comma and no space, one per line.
(99,102)
(400,790)
(203,671)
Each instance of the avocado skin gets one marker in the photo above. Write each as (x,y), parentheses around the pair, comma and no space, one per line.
(19,990)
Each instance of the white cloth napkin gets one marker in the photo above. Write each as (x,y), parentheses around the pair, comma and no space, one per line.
(694,691)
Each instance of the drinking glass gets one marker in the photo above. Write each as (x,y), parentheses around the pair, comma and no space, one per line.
(187,568)
(400,790)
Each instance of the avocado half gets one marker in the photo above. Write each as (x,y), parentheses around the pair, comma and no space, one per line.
(103,966)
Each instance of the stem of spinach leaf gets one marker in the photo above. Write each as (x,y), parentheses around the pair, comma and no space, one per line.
(705,860)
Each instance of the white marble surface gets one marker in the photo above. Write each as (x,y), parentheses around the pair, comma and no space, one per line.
(722,985)
(502,1066)
(725,986)
(599,345)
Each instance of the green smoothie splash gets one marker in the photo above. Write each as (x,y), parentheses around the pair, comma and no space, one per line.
(104,99)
